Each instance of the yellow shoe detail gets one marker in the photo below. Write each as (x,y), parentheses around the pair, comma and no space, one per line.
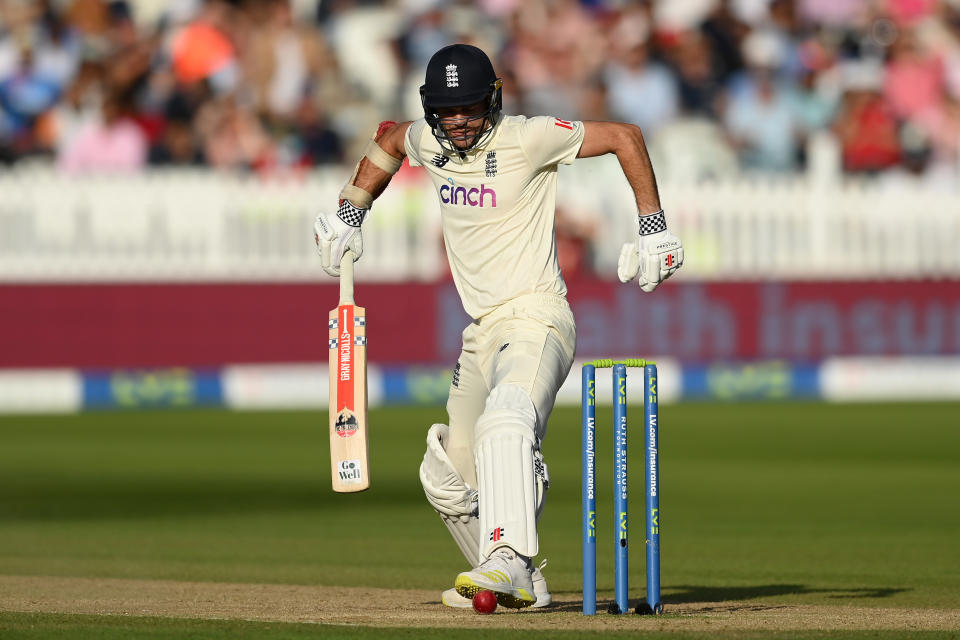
(466,587)
(497,576)
(516,602)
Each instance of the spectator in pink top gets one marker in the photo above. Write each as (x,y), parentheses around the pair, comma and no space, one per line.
(115,143)
(914,78)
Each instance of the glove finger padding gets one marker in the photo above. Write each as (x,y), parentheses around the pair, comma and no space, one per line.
(649,272)
(323,235)
(670,262)
(629,263)
(661,254)
(333,238)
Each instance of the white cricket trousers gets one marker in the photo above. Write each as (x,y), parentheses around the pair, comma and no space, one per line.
(528,342)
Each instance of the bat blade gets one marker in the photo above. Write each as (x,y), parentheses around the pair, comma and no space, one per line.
(349,441)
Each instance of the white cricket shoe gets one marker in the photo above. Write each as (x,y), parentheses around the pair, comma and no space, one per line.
(451,598)
(544,598)
(505,573)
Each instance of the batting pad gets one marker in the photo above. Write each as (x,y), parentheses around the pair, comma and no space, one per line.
(506,472)
(450,496)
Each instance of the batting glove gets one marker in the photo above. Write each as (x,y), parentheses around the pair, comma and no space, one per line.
(654,256)
(335,234)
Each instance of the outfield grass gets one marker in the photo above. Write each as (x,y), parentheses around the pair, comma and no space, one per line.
(794,503)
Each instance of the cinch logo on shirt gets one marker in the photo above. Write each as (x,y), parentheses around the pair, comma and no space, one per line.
(473,197)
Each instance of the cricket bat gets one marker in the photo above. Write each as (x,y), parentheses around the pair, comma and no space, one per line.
(349,442)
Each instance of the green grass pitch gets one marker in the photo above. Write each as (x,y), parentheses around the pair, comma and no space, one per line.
(803,503)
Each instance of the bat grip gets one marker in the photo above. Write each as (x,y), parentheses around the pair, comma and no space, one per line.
(346,278)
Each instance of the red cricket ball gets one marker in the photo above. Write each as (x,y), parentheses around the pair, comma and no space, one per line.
(485,602)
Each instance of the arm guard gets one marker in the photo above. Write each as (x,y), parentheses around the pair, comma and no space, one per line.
(374,153)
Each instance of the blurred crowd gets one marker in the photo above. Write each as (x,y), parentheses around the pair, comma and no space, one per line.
(716,85)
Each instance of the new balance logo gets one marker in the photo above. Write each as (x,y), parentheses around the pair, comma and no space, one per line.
(439,161)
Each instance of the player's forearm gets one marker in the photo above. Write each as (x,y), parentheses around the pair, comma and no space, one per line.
(381,160)
(371,179)
(337,233)
(635,162)
(626,142)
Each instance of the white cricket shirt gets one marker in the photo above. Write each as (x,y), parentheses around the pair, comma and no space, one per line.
(497,207)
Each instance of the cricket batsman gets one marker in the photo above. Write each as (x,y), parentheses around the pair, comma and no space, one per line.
(496,177)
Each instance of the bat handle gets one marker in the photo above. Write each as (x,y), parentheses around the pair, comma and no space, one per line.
(346,278)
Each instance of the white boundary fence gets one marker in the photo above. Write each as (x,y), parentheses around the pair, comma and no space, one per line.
(203,225)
